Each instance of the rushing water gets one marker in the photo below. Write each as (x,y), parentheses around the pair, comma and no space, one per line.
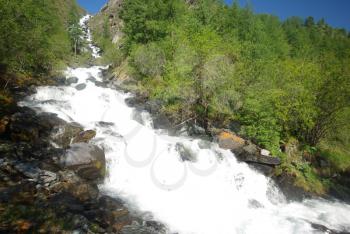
(210,194)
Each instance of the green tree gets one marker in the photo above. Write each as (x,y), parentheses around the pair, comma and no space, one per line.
(75,34)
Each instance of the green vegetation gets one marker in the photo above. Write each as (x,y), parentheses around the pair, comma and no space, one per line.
(34,36)
(218,64)
(34,43)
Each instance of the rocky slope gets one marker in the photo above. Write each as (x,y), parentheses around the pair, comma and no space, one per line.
(109,17)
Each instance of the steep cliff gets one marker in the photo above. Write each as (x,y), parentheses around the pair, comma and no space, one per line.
(107,21)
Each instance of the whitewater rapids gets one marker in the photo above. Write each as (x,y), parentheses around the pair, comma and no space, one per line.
(211,194)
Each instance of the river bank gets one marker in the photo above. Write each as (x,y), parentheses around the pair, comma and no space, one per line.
(41,194)
(244,149)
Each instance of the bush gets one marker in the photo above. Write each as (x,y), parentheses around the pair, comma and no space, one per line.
(149,60)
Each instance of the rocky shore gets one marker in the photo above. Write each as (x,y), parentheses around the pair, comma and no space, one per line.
(49,176)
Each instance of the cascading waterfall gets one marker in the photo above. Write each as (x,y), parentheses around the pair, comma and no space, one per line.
(210,193)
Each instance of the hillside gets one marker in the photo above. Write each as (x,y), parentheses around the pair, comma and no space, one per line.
(283,85)
(36,42)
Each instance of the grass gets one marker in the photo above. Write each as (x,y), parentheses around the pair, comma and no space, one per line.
(337,154)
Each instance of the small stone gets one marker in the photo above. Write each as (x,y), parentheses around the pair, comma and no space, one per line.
(80,87)
(265,152)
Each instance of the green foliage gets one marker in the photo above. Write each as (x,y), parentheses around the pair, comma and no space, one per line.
(216,63)
(149,60)
(33,35)
(75,34)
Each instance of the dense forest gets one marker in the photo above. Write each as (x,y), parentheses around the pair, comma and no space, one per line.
(279,83)
(35,39)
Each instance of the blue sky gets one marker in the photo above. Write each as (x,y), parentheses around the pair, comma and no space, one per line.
(336,12)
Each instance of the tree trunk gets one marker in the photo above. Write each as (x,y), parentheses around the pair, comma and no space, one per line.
(75,48)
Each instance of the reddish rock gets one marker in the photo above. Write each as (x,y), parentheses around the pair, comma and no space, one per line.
(228,140)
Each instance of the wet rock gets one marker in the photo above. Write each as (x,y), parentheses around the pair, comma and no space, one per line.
(28,127)
(3,124)
(202,144)
(80,189)
(147,227)
(100,84)
(160,121)
(63,134)
(87,160)
(250,153)
(109,213)
(72,80)
(66,202)
(92,79)
(267,170)
(84,136)
(59,79)
(137,102)
(80,87)
(292,192)
(324,229)
(195,130)
(185,153)
(153,106)
(37,175)
(228,140)
(254,204)
(7,149)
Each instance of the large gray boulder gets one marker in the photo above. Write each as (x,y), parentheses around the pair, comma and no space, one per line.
(87,160)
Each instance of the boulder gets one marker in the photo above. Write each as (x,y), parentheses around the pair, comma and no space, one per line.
(72,80)
(228,140)
(137,101)
(63,134)
(80,87)
(160,121)
(153,106)
(84,136)
(27,126)
(100,84)
(59,79)
(246,151)
(87,160)
(251,153)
